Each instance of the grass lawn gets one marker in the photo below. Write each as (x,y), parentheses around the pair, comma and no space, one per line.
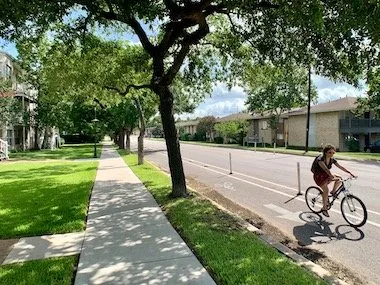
(44,197)
(59,271)
(231,254)
(68,151)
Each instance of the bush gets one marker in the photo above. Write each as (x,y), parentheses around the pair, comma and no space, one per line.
(74,139)
(185,137)
(199,137)
(352,144)
(218,140)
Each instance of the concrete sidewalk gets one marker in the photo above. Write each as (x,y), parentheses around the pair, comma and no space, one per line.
(128,239)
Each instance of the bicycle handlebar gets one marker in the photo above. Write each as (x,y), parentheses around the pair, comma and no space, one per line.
(348,178)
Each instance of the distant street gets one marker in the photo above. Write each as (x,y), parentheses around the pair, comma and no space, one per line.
(267,184)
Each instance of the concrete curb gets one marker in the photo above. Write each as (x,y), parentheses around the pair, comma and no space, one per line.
(298,259)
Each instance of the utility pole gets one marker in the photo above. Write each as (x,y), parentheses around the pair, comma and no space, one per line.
(308,112)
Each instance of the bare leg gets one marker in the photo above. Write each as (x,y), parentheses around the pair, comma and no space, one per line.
(325,196)
(336,185)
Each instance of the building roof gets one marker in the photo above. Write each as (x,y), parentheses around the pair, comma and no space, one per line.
(342,104)
(187,123)
(235,117)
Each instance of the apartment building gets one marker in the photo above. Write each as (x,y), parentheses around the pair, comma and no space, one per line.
(19,134)
(331,122)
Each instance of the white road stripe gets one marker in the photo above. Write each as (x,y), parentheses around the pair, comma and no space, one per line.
(191,161)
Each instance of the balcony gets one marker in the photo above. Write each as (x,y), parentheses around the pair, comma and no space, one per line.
(359,126)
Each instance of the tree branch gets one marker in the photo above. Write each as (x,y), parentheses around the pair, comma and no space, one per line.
(126,91)
(148,46)
(96,100)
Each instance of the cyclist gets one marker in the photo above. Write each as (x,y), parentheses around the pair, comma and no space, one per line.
(323,176)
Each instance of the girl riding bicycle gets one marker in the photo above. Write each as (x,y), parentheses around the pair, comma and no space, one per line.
(323,176)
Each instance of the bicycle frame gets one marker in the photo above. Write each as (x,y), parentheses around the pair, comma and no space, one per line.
(341,189)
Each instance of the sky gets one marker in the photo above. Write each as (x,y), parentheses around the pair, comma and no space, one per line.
(224,102)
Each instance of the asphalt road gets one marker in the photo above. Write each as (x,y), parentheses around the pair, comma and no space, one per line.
(267,184)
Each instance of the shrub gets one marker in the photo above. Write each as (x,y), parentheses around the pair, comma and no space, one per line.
(352,144)
(218,140)
(185,137)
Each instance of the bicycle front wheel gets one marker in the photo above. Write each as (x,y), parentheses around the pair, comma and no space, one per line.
(313,197)
(353,211)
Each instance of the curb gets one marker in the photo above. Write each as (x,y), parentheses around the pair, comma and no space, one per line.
(298,259)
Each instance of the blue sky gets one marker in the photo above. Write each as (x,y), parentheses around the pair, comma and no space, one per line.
(224,102)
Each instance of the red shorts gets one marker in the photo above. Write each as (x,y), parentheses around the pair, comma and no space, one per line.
(321,178)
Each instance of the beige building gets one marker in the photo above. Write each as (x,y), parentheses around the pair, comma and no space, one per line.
(332,122)
(19,135)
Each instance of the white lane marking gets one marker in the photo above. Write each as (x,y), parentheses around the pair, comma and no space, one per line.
(242,174)
(262,180)
(267,188)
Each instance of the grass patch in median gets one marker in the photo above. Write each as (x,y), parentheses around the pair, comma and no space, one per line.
(39,272)
(44,197)
(232,254)
(70,151)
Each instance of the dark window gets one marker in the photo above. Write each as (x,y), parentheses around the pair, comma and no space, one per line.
(8,71)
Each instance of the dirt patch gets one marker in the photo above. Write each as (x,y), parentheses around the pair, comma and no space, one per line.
(6,246)
(317,257)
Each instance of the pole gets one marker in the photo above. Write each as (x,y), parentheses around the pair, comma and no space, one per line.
(274,148)
(299,179)
(308,112)
(230,164)
(255,146)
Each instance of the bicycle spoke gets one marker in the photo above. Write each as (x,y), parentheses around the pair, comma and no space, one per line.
(313,197)
(354,211)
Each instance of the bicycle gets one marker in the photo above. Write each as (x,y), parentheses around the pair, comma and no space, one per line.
(353,209)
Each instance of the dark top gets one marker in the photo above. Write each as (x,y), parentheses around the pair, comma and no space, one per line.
(319,169)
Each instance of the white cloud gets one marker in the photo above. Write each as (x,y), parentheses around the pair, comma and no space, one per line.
(224,102)
(329,90)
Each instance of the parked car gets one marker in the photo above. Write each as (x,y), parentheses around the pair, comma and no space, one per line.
(373,147)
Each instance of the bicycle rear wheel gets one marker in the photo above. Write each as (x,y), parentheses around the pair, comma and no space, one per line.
(313,197)
(353,211)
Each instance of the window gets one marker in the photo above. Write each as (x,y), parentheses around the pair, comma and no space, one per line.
(8,71)
(264,125)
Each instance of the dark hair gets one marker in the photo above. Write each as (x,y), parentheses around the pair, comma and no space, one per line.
(327,148)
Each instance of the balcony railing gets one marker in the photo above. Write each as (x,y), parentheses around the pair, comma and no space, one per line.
(359,125)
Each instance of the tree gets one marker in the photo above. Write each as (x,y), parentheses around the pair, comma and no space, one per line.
(372,101)
(235,130)
(205,127)
(330,34)
(276,89)
(11,109)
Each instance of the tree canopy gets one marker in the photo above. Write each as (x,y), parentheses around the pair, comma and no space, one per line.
(338,38)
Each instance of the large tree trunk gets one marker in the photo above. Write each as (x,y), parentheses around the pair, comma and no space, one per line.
(140,140)
(37,138)
(121,141)
(172,142)
(140,148)
(128,133)
(46,144)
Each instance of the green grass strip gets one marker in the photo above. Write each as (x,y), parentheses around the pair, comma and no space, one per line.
(233,255)
(51,271)
(44,197)
(69,151)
